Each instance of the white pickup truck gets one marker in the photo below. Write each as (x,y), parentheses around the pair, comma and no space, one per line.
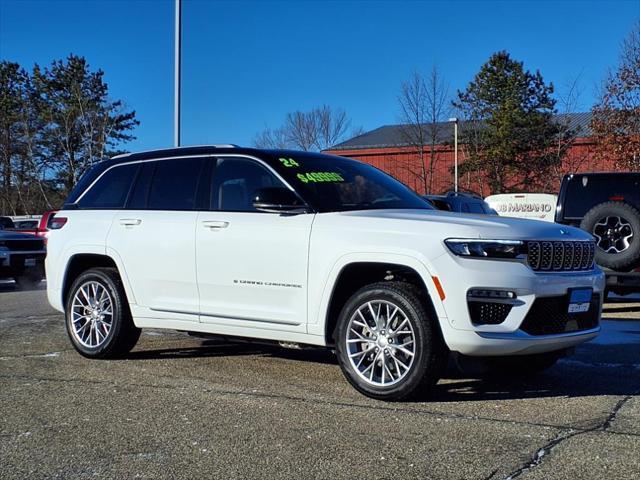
(314,249)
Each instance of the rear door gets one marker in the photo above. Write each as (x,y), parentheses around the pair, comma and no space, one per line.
(252,266)
(154,238)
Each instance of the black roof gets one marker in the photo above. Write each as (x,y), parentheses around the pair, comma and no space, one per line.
(393,135)
(96,170)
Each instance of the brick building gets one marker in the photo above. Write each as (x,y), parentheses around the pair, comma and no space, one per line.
(386,148)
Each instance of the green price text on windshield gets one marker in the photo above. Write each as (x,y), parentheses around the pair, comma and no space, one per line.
(317,177)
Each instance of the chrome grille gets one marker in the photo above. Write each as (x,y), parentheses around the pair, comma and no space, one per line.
(560,256)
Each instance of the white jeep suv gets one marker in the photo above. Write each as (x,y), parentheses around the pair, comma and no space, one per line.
(314,249)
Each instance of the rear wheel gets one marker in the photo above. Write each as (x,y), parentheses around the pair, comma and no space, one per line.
(98,320)
(388,344)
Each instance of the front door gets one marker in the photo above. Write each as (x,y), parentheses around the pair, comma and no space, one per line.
(251,266)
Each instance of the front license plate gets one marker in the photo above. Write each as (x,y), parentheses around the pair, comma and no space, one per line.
(580,300)
(29,262)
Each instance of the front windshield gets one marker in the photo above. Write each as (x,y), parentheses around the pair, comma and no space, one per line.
(334,184)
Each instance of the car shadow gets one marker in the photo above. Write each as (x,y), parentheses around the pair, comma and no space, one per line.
(10,286)
(610,367)
(223,348)
(626,308)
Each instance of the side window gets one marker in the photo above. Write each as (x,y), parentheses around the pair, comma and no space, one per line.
(235,181)
(441,205)
(476,208)
(140,192)
(174,184)
(111,189)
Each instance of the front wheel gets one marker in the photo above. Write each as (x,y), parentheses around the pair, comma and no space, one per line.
(98,320)
(388,343)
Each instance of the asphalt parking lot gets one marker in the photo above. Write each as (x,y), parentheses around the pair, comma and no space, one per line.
(180,407)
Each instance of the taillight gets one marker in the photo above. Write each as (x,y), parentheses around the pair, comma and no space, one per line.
(57,223)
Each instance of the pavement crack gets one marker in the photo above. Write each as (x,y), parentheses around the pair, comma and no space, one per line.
(543,452)
(614,412)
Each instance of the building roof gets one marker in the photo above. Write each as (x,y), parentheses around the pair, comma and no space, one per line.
(394,136)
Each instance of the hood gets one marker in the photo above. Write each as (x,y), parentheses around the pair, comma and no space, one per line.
(463,225)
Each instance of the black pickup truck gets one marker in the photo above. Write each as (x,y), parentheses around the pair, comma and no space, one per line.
(607,205)
(21,258)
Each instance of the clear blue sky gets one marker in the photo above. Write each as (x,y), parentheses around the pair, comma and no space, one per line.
(246,64)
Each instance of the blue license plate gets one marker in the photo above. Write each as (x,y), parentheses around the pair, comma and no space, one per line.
(580,300)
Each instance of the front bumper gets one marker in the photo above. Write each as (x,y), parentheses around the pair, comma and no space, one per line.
(514,336)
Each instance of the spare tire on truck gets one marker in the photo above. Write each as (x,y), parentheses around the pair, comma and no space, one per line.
(616,228)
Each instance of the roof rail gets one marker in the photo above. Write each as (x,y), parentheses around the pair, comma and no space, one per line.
(216,145)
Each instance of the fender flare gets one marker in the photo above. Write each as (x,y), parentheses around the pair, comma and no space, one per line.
(425,271)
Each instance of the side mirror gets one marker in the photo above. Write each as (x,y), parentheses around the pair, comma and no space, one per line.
(278,200)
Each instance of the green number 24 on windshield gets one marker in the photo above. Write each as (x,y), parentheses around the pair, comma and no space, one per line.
(289,162)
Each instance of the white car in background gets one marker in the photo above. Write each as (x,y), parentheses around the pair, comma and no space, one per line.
(306,248)
(533,206)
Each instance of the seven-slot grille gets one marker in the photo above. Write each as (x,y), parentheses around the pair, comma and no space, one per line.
(560,255)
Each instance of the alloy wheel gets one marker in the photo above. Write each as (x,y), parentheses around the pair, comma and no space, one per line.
(381,343)
(613,234)
(91,314)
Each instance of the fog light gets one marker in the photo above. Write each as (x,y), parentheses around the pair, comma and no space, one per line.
(493,294)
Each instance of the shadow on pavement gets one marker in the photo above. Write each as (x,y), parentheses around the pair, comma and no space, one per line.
(608,366)
(10,286)
(625,308)
(593,370)
(220,348)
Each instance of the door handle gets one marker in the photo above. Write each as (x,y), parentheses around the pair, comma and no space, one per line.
(215,224)
(129,222)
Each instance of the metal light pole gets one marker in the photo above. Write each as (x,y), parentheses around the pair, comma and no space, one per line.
(177,62)
(455,153)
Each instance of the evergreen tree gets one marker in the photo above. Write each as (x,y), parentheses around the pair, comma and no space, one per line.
(83,125)
(509,133)
(54,124)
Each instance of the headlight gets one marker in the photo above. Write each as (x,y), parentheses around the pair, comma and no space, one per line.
(510,249)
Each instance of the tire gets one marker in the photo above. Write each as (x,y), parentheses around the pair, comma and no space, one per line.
(616,227)
(413,320)
(95,330)
(522,365)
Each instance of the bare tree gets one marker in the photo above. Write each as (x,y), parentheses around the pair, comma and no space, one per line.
(317,129)
(568,102)
(332,126)
(616,117)
(423,104)
(271,138)
(302,129)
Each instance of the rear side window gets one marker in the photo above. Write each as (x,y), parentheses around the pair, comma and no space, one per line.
(174,184)
(111,189)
